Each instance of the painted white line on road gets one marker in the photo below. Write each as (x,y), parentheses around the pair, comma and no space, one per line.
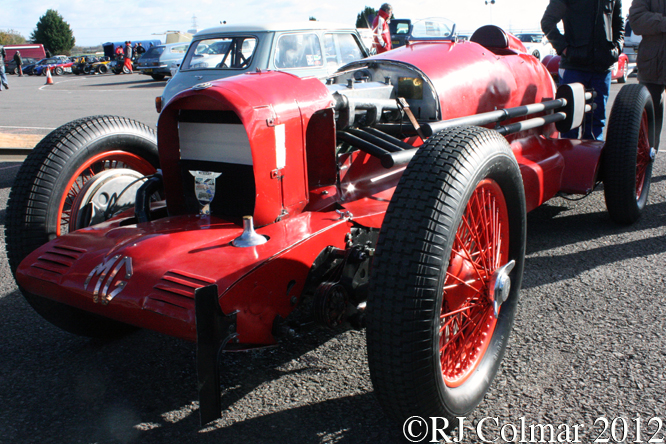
(6,168)
(79,80)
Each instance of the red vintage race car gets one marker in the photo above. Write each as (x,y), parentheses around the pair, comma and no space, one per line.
(619,70)
(393,197)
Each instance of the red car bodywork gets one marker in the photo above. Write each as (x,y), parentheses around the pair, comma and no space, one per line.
(299,203)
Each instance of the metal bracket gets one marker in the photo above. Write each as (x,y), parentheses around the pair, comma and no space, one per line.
(214,331)
(402,103)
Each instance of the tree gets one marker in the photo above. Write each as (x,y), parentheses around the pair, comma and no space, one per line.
(54,33)
(11,37)
(364,18)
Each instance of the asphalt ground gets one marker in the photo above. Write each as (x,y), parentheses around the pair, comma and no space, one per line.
(30,108)
(589,340)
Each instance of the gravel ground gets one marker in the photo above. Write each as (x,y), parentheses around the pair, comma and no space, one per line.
(588,343)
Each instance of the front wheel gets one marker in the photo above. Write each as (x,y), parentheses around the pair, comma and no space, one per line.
(49,189)
(59,71)
(628,154)
(446,276)
(102,69)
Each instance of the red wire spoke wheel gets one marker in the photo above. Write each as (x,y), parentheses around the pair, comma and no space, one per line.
(446,276)
(643,157)
(47,188)
(628,154)
(467,317)
(91,167)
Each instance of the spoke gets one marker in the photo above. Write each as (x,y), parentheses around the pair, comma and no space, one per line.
(460,282)
(466,322)
(467,255)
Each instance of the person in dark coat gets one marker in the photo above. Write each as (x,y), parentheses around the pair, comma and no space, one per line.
(592,41)
(648,19)
(140,50)
(19,62)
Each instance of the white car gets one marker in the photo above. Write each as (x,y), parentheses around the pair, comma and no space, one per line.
(310,48)
(537,44)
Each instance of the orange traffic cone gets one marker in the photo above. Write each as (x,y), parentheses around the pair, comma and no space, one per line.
(49,79)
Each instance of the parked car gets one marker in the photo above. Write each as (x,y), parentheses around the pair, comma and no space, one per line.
(619,71)
(57,69)
(157,61)
(393,197)
(631,43)
(400,29)
(83,65)
(101,66)
(311,48)
(11,68)
(37,68)
(537,44)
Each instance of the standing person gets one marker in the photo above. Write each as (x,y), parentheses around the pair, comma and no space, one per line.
(128,56)
(3,76)
(648,19)
(47,53)
(139,50)
(19,62)
(381,40)
(591,44)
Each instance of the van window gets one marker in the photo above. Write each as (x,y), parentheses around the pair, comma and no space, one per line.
(298,51)
(220,53)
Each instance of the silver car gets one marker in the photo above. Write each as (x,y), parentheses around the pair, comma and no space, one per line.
(157,61)
(305,49)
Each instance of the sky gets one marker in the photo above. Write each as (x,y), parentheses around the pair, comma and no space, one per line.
(97,21)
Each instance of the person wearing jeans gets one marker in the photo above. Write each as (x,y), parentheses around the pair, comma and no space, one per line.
(592,41)
(3,76)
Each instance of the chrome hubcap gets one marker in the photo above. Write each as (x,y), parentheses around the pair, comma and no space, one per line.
(500,286)
(105,195)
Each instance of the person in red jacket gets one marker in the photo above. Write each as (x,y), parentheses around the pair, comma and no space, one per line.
(381,41)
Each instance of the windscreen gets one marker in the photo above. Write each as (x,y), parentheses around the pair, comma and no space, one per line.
(220,53)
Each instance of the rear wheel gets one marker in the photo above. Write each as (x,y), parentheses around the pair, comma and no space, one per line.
(51,185)
(629,154)
(446,276)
